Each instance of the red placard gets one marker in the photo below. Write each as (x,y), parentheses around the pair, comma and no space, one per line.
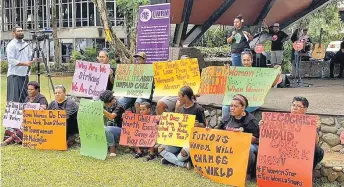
(259,48)
(298,45)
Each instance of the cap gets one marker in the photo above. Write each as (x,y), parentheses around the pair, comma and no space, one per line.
(276,25)
(140,54)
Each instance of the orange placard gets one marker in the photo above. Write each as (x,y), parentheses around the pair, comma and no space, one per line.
(45,129)
(286,150)
(139,130)
(221,156)
(213,80)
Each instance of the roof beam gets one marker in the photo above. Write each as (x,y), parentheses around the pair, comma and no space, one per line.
(180,31)
(262,15)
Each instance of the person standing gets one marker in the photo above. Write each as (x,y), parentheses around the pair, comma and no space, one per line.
(338,58)
(239,39)
(278,39)
(103,58)
(18,63)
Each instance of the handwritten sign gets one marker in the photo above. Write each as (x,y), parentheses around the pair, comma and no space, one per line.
(134,80)
(221,156)
(174,129)
(286,143)
(13,116)
(254,83)
(91,129)
(90,79)
(169,77)
(45,129)
(139,130)
(213,80)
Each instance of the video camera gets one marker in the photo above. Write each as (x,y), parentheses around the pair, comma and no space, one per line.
(41,34)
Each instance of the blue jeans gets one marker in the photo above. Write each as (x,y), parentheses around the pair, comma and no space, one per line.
(112,134)
(128,102)
(252,159)
(227,108)
(170,152)
(236,59)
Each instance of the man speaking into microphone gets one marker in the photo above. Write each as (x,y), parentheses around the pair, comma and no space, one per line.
(239,38)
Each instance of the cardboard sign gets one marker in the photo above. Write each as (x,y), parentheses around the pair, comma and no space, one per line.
(13,116)
(174,129)
(254,83)
(213,80)
(259,48)
(169,77)
(91,129)
(134,80)
(139,130)
(221,156)
(45,129)
(298,45)
(286,150)
(90,79)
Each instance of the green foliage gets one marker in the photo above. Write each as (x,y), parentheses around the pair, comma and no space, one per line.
(129,8)
(214,37)
(4,67)
(215,51)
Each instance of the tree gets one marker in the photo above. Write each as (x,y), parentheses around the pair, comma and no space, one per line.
(116,44)
(57,48)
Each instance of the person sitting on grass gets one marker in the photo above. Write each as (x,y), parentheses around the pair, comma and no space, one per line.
(61,102)
(237,120)
(13,135)
(299,106)
(145,109)
(188,106)
(112,118)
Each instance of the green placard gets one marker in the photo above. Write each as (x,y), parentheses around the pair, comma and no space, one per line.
(254,83)
(134,80)
(91,129)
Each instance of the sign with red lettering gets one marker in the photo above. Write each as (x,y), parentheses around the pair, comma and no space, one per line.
(286,149)
(213,80)
(139,130)
(90,79)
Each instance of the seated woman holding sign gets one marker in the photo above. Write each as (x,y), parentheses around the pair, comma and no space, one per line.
(113,119)
(240,120)
(13,135)
(247,61)
(63,103)
(188,106)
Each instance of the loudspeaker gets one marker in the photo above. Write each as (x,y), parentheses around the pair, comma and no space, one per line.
(285,82)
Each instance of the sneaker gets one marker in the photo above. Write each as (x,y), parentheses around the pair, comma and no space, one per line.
(112,154)
(150,157)
(164,162)
(188,165)
(138,155)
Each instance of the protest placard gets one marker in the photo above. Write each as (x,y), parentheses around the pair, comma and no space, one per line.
(213,80)
(254,83)
(153,32)
(91,129)
(139,130)
(169,77)
(13,116)
(45,129)
(221,156)
(90,78)
(286,149)
(174,129)
(134,80)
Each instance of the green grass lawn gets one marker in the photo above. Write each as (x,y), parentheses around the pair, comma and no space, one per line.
(25,167)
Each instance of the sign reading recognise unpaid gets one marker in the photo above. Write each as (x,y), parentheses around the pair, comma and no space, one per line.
(221,156)
(90,79)
(45,129)
(13,116)
(134,80)
(139,130)
(254,83)
(213,80)
(174,129)
(286,142)
(169,77)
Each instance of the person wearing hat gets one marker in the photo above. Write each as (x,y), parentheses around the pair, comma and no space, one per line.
(277,40)
(140,58)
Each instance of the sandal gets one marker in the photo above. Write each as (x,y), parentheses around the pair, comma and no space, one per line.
(138,155)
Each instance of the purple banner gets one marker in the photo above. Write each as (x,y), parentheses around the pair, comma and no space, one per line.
(153,32)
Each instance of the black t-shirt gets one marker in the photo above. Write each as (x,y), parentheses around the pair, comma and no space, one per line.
(119,110)
(38,99)
(239,42)
(110,85)
(338,57)
(196,110)
(276,42)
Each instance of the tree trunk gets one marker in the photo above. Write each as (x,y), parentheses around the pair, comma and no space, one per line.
(57,50)
(117,45)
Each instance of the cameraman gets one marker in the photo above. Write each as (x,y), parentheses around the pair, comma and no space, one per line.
(18,63)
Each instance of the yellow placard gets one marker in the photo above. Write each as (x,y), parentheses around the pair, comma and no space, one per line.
(174,129)
(108,35)
(169,77)
(220,155)
(45,129)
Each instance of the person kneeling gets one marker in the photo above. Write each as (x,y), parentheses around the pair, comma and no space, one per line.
(112,118)
(237,120)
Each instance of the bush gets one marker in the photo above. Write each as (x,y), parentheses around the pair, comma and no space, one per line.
(4,67)
(215,51)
